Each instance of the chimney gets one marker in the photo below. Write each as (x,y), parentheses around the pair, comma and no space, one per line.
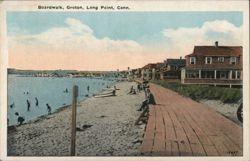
(180,57)
(216,44)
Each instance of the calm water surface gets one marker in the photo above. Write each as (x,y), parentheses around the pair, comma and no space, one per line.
(48,90)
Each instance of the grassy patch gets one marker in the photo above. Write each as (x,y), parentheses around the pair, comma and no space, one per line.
(198,92)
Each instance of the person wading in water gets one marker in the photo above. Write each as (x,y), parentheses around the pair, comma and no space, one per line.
(36,102)
(20,119)
(28,105)
(48,108)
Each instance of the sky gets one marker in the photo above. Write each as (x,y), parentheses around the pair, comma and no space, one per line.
(113,40)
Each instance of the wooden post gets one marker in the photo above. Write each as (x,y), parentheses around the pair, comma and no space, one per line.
(73,126)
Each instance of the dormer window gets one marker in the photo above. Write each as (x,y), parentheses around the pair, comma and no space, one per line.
(208,60)
(192,60)
(221,59)
(233,60)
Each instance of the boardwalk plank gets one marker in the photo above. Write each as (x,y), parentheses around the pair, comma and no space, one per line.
(221,148)
(180,126)
(197,150)
(210,150)
(175,148)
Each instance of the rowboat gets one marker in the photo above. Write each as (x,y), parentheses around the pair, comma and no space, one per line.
(105,94)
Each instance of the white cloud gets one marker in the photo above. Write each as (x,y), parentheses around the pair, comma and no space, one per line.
(77,37)
(77,43)
(182,40)
(77,26)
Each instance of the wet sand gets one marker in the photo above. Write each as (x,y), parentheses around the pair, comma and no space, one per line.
(109,129)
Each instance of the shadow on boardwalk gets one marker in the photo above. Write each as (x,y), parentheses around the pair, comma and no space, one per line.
(179,126)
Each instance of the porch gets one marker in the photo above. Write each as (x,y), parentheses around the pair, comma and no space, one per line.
(212,77)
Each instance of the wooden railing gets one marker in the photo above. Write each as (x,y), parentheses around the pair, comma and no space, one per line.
(212,81)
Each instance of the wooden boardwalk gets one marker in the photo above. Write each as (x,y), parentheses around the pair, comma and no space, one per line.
(179,126)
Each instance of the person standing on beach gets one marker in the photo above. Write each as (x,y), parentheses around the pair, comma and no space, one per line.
(48,108)
(138,87)
(28,105)
(36,102)
(113,92)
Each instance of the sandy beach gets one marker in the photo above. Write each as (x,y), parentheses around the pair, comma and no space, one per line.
(109,123)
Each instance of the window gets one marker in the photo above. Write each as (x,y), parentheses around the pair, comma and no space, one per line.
(222,74)
(192,60)
(233,75)
(233,60)
(221,59)
(236,74)
(192,74)
(208,60)
(207,74)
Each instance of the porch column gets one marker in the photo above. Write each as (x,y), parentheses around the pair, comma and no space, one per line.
(153,74)
(199,74)
(147,74)
(183,75)
(230,74)
(236,74)
(214,74)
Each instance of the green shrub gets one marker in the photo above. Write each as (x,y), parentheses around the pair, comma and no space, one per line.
(198,92)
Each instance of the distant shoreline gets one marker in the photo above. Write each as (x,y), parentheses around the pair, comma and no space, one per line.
(63,73)
(23,75)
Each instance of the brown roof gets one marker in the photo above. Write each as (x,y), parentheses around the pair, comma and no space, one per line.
(149,66)
(217,51)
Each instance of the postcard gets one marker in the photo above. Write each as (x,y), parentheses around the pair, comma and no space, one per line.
(115,80)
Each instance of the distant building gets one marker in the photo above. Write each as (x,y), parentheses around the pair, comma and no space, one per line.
(158,70)
(148,71)
(137,73)
(130,75)
(214,65)
(151,71)
(172,68)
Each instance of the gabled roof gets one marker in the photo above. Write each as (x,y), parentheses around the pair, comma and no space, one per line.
(159,65)
(149,66)
(217,51)
(176,62)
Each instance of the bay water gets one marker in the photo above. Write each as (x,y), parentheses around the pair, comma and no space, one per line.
(55,91)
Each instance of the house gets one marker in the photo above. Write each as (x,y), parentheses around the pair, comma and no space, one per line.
(158,67)
(213,65)
(138,73)
(172,68)
(151,71)
(148,71)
